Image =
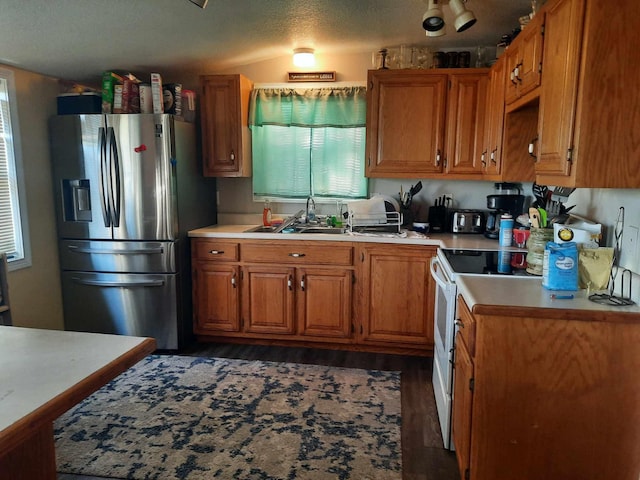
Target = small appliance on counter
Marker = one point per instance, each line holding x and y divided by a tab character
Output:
508	199
467	221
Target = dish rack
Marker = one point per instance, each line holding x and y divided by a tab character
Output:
374	223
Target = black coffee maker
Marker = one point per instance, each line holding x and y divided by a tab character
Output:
507	200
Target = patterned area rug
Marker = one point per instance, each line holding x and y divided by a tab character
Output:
174	417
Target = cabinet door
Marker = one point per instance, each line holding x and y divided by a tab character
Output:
397	301
529	71
512	61
563	33
492	152
215	298
324	302
224	118
462	404
405	123
269	296
466	113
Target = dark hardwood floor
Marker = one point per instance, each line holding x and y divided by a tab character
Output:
423	457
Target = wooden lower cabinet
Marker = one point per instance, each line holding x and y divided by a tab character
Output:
269	299
314	293
396	295
555	395
325	304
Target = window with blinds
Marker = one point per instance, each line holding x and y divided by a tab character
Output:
11	239
308	142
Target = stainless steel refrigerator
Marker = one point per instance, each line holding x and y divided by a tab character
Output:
127	190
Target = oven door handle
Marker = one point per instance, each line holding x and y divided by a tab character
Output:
445	283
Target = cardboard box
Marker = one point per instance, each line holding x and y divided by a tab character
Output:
172	97
189	105
109	81
146	100
130	95
579	230
156	93
117	99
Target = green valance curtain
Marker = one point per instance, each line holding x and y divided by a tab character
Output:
343	107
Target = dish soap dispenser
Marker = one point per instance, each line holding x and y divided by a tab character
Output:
266	214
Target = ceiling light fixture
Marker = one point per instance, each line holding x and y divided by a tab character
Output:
201	3
433	18
304	57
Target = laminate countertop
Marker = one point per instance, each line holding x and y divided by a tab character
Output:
442	240
513	295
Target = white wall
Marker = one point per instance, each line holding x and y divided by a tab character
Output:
35	292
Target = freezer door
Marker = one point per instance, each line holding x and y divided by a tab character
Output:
78	155
140	148
127	304
115	256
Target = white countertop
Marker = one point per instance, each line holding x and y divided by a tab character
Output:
526	291
36	366
444	240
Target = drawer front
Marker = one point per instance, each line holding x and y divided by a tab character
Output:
298	253
216	250
466	326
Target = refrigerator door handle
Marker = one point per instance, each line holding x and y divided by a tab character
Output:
104	186
104	283
110	251
114	177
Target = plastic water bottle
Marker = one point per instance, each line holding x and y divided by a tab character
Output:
506	230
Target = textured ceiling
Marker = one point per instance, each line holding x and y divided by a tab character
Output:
78	39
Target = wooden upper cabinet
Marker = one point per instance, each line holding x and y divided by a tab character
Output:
588	124
226	139
491	156
563	35
425	123
524	60
466	113
405	123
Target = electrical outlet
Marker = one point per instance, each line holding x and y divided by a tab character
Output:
629	249
448	199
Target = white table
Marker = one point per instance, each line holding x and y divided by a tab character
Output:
43	373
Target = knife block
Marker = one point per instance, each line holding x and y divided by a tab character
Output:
438	219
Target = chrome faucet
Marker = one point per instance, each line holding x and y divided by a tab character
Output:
311	209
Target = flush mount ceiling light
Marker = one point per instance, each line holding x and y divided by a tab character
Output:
304	57
433	18
201	3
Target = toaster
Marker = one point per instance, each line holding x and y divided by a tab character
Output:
467	221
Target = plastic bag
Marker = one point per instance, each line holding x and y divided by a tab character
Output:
560	266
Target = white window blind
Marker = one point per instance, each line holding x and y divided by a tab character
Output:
11	237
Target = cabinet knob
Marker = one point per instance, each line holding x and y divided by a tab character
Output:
493	155
438	156
302	283
290	283
233	281
296	255
459	324
233	155
216	252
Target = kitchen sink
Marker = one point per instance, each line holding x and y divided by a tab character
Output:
261	229
299	228
319	229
